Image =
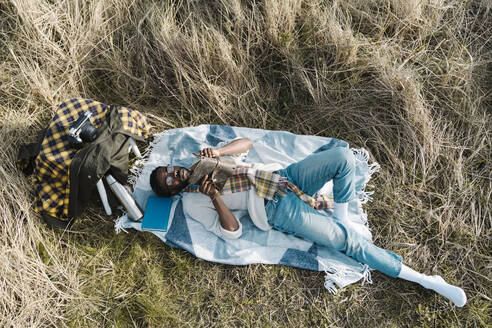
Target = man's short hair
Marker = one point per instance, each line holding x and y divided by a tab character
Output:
158	182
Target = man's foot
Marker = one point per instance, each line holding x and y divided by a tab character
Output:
440	286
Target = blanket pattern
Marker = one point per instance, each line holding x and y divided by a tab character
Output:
176	146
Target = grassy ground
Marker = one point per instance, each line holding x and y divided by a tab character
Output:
408	80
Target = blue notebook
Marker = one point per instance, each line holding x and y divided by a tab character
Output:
156	215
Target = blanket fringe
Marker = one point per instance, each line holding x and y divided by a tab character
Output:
139	164
373	168
330	275
330	286
362	155
363	218
334	275
364	196
118	224
366	275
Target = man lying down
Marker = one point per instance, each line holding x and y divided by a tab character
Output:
280	200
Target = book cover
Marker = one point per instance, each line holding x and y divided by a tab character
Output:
156	215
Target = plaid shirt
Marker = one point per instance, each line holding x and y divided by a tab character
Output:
52	184
266	185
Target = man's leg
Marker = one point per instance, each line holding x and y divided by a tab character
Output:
311	173
436	283
292	215
390	264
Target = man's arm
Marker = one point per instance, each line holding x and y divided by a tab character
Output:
235	147
227	220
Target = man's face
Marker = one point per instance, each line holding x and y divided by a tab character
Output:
174	179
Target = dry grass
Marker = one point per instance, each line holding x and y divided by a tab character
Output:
409	80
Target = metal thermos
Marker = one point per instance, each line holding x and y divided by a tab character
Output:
125	198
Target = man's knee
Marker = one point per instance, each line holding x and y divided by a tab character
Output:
345	156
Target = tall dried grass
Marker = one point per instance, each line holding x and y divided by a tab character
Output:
408	80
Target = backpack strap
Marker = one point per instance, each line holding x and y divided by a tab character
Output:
57	223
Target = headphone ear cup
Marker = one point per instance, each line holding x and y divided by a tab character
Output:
88	132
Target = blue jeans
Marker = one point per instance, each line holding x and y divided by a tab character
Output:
292	215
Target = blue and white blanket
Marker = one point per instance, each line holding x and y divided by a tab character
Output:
254	246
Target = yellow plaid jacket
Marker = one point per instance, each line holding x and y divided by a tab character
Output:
51	166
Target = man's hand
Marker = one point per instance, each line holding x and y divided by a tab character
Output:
207	187
210	152
227	220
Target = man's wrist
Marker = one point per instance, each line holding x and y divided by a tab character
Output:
215	196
